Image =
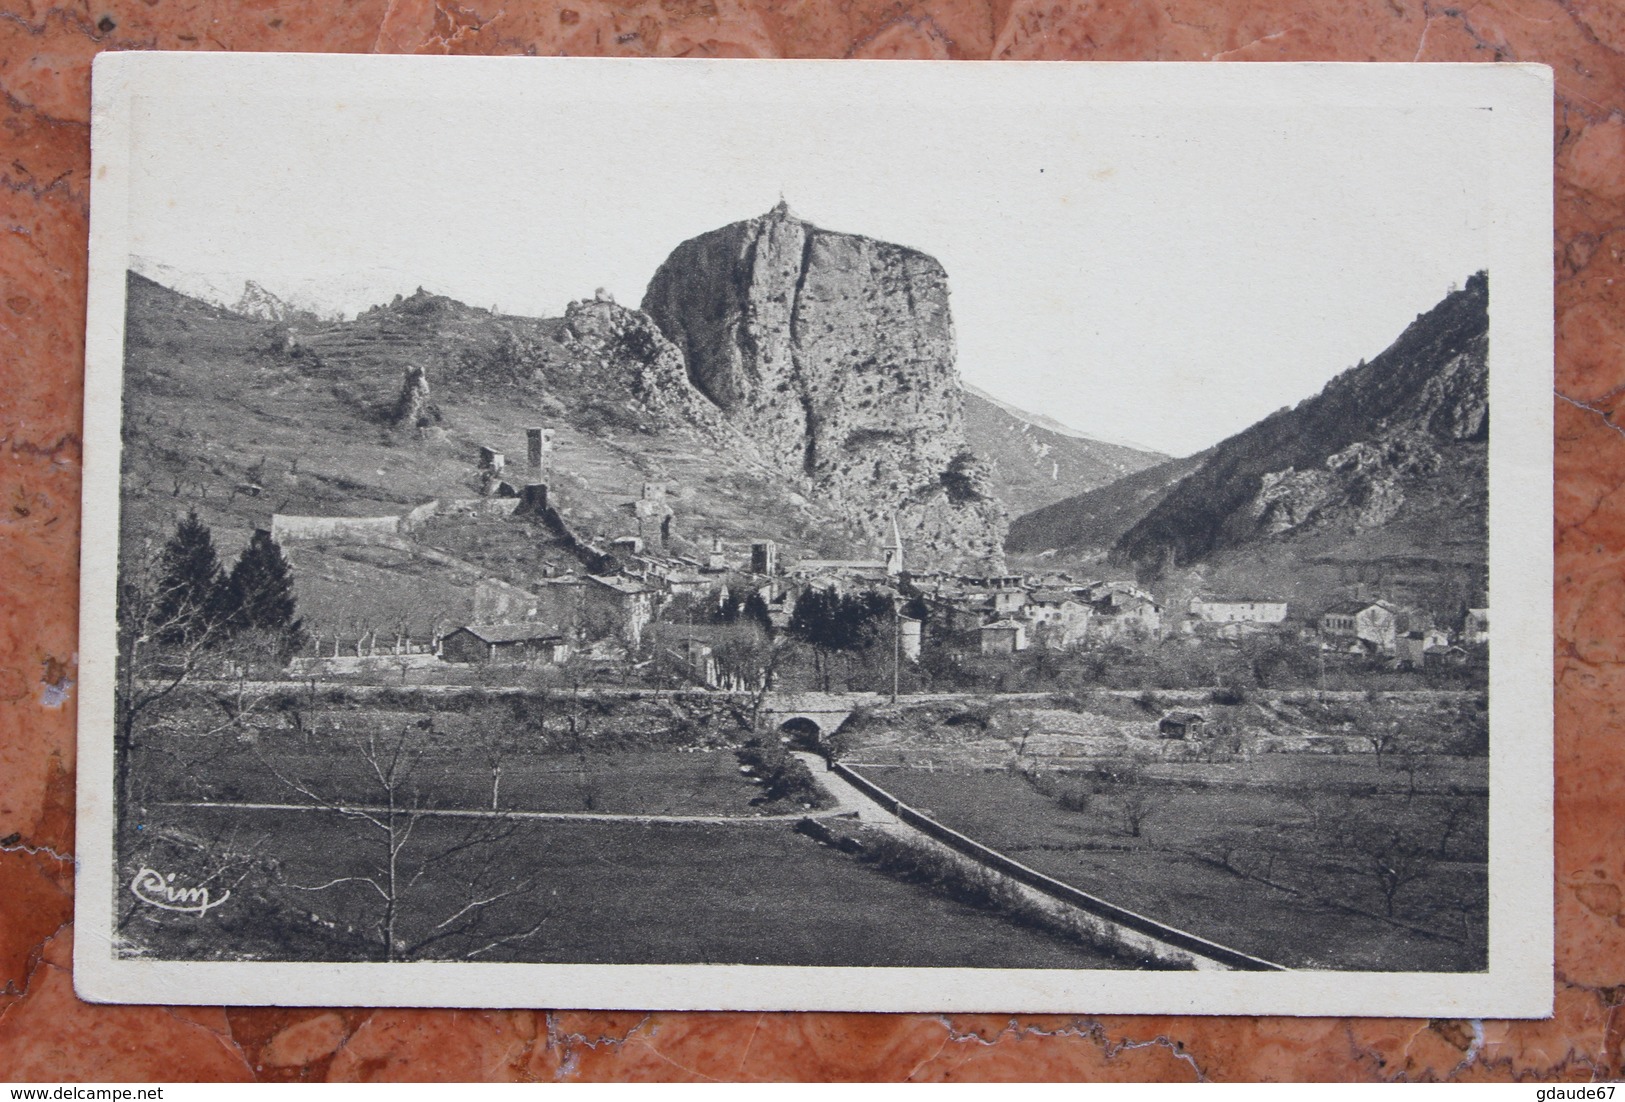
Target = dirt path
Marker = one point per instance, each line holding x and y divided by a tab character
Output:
542	816
848	800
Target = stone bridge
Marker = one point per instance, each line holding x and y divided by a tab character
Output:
812	713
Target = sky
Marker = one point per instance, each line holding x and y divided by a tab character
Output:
1158	257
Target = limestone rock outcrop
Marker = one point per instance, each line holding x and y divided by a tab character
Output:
413	407
834	354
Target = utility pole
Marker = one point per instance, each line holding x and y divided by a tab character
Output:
896	646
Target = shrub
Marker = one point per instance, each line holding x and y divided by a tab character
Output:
977	715
1075	798
783	777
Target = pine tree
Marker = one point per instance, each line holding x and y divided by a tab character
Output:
188	601
755	611
259	592
810	620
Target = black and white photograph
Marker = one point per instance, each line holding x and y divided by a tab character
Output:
872	536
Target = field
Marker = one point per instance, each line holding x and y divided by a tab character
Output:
1334	859
558	751
633	782
1283	866
319	884
752	893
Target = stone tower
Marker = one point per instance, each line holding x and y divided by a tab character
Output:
539	446
764	557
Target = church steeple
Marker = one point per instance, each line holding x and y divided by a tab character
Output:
894	551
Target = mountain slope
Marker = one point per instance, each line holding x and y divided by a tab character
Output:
1387	460
1088	524
242	414
240	418
1033	461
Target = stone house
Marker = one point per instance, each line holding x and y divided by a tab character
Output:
1410	649
1007	602
1003	637
630	602
1233	610
592	608
908	637
1338	621
1120	614
1056	618
1380	624
956	614
1435	657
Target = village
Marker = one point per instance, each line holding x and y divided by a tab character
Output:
635	609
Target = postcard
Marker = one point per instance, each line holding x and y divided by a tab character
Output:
818	535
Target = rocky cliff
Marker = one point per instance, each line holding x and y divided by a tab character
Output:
834	353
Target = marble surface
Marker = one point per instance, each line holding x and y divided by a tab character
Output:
45	1033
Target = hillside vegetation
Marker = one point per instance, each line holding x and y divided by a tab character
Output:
1030	464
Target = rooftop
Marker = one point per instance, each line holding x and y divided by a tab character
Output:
512	633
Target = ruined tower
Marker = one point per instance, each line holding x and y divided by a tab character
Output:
764	557
539	447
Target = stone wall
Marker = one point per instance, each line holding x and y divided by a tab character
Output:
287	529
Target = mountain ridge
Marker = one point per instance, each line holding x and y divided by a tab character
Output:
1377	483
1374	423
1031	465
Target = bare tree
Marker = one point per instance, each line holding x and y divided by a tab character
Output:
163	648
1383	737
1455	814
1135	804
437	877
1136	800
1390	859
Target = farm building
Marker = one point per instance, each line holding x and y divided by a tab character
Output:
1444	656
1180	725
504	643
